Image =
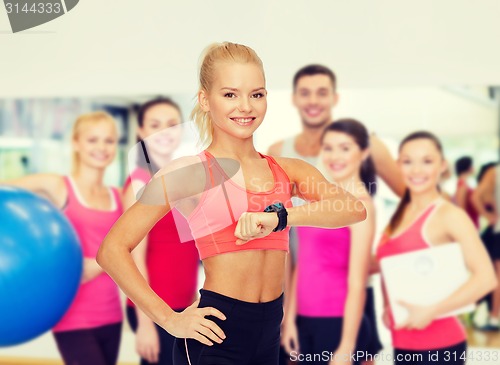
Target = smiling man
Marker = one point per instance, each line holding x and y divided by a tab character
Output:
315	95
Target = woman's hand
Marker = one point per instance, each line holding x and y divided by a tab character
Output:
419	316
342	356
386	318
147	342
91	270
191	323
290	337
255	225
492	218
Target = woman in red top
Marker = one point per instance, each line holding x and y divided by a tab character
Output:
169	263
424	219
241	233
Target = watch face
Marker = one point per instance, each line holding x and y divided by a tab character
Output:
276	207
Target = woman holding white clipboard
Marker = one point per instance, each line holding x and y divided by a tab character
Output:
424	220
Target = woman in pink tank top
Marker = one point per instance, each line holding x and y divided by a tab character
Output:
424	219
90	330
169	262
325	314
237	203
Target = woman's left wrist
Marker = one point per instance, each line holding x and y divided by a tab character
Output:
280	217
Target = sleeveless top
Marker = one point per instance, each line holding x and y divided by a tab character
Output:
439	333
172	263
214	219
97	302
288	150
322	271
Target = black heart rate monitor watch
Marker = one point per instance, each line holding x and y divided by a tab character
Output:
280	209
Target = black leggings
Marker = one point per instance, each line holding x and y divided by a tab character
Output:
453	355
96	346
374	345
319	337
252	334
166	339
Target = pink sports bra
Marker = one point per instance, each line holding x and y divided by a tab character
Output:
214	219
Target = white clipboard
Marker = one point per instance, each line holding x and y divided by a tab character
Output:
424	277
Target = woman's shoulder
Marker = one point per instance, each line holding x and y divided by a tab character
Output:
52	186
296	169
51	178
184	163
369	205
181	178
51	183
449	213
366	199
292	164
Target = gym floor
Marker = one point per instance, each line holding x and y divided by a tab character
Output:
482	339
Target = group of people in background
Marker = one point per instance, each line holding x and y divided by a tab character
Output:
328	301
476	202
90	331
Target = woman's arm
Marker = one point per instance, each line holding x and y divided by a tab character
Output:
291	311
91	270
147	340
53	188
290	338
482	275
49	186
461	196
362	235
486	188
329	205
386	166
482	278
139	253
374	265
115	258
386	312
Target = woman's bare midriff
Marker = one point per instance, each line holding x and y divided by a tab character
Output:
255	276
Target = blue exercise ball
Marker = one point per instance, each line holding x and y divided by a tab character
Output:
40	265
